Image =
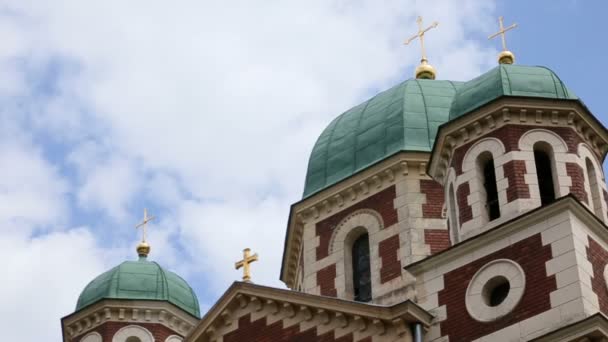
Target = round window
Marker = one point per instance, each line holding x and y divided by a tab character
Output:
495	290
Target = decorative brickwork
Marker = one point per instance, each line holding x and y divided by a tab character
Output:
259	331
578	181
382	202
465	212
108	330
510	135
438	239
514	172
531	255
391	266
326	281
598	257
434	198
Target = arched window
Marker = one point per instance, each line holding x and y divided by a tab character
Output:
486	163
362	278
544	172
453	218
596	203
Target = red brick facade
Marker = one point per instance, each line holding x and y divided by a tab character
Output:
514	172
381	202
465	212
259	331
438	239
108	330
326	280
577	176
598	257
510	135
434	198
391	266
531	255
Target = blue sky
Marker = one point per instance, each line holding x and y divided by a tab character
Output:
206	114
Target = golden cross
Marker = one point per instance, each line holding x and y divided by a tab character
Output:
420	35
502	32
144	223
247	260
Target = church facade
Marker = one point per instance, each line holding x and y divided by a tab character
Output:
434	211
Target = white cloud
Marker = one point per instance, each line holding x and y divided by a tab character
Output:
42	279
207	110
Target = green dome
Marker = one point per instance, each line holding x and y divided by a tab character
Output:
142	280
407	116
508	80
403	118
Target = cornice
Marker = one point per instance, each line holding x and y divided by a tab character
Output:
595	326
514	111
290	303
131	311
342	195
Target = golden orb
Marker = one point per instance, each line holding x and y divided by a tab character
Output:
425	71
506	57
143	249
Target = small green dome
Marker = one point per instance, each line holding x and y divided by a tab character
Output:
508	80
142	280
403	118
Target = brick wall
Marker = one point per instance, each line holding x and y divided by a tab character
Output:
598	257
465	212
259	331
578	181
434	198
514	172
510	135
438	239
326	281
382	202
531	255
108	330
391	266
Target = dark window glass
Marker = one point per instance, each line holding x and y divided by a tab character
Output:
362	278
545	177
491	190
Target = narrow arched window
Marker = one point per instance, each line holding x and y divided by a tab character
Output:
544	172
362	279
488	171
453	218
596	203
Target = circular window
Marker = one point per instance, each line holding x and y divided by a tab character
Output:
495	290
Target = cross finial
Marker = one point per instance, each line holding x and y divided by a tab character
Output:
505	56
424	70
245	264
143	249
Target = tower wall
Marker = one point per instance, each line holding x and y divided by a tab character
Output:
511	140
398	206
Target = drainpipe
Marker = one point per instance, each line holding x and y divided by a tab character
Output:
417	332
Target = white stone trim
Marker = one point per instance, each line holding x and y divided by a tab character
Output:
475	303
584	152
133	331
561	180
472	175
92	337
340	249
174	338
531	137
453	212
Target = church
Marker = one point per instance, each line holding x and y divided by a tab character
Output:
434	211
